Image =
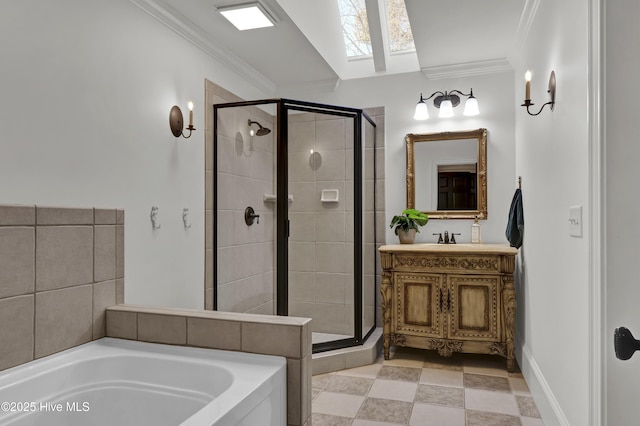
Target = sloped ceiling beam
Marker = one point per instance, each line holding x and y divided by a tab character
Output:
375	32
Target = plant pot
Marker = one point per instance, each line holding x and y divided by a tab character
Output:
407	237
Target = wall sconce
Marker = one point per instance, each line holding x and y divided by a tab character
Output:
551	91
446	101
177	122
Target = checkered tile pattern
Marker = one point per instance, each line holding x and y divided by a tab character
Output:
420	388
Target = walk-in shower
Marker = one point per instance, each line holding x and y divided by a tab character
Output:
294	215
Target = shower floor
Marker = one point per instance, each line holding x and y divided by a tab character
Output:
327	337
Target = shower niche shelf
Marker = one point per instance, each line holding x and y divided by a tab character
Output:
272	198
329	196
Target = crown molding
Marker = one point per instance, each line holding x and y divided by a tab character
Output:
182	26
467	69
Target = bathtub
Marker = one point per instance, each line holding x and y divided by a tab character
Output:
122	382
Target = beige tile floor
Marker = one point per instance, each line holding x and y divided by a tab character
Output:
420	388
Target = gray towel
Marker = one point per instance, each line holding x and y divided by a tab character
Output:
515	225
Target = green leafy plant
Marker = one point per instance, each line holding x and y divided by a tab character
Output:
409	219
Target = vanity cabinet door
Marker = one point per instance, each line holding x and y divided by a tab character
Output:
417	304
473	304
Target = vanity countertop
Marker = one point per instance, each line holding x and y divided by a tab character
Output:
450	248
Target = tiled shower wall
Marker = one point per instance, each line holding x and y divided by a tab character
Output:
60	268
245	174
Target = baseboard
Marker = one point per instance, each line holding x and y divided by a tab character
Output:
546	402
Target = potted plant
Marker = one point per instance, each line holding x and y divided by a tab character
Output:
407	224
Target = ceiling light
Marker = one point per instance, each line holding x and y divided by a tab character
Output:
247	16
446	101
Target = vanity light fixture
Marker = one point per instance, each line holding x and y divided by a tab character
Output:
247	16
551	91
176	122
446	101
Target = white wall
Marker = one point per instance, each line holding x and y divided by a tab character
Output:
552	156
399	95
86	87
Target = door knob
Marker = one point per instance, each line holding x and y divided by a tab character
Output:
624	343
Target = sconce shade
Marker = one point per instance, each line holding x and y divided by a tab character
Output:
471	107
446	109
422	113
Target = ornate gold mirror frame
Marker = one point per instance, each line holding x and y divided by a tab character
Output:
481	135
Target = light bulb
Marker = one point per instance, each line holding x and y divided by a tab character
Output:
190	106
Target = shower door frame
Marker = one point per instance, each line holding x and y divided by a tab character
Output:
282	209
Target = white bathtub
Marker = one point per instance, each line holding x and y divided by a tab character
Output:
121	382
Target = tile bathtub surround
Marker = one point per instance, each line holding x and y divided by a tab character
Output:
289	337
59	270
421	388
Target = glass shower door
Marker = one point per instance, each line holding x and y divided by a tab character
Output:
244	206
321	217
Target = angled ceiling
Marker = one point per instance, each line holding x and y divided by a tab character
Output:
305	48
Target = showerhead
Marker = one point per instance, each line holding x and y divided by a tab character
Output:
261	131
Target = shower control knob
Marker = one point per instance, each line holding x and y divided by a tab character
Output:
250	215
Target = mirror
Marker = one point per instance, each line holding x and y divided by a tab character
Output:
447	174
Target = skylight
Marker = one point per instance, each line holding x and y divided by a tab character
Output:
398	27
355	27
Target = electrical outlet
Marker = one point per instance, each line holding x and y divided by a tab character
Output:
575	221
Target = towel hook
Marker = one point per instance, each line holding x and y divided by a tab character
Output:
519	182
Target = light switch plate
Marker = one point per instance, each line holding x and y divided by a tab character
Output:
575	221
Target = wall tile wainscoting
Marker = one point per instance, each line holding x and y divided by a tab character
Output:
59	270
62	285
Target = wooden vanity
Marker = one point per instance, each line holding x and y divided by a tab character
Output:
449	298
